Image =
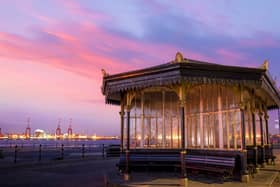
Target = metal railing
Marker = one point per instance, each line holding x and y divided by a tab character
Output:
43	152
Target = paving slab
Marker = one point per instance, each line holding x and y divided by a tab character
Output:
138	179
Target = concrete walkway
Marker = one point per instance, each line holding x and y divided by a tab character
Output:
262	179
63	173
90	173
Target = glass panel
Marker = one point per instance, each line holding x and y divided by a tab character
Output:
211	113
249	128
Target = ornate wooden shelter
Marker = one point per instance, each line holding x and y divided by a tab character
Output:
194	115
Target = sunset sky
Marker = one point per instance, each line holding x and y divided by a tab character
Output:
52	51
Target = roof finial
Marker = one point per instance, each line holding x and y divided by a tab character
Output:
179	57
104	73
265	65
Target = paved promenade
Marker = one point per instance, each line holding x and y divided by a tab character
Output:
267	177
62	173
90	172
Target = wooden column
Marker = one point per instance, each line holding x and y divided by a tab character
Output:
142	121
163	120
244	171
128	128
182	98
128	140
243	126
220	120
255	139
201	119
182	117
129	98
266	117
122	126
262	140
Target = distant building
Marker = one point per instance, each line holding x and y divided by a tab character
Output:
192	109
39	133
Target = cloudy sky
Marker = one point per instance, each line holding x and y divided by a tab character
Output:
51	52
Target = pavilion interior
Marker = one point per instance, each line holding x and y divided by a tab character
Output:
212	118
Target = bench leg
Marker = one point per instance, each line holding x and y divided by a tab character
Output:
184	182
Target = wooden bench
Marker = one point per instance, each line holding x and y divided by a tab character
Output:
149	161
113	150
213	164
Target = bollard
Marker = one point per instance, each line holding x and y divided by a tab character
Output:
103	151
40	152
16	150
62	151
83	151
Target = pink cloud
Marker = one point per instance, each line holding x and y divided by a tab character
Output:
84	48
230	57
260	43
76	8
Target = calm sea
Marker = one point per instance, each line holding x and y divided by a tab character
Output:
56	143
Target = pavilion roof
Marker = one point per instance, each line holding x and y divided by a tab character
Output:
192	71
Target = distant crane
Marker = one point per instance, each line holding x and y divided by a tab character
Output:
58	130
70	130
28	130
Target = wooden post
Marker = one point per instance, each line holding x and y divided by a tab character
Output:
244	171
142	121
243	126
262	141
182	97
156	130
201	119
182	115
128	128
163	120
266	117
220	119
122	122
183	151
255	139
128	143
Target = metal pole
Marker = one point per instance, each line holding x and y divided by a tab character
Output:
103	151
16	151
40	152
62	151
83	151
